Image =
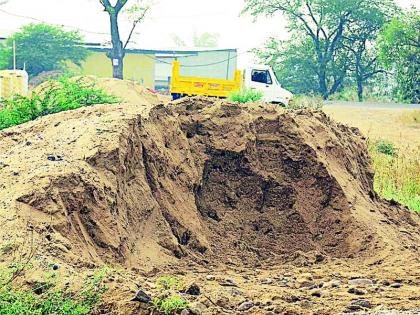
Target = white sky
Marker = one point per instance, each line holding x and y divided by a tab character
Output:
182	17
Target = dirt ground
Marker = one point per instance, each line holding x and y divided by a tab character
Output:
266	211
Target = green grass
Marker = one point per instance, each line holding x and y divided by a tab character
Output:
56	96
246	96
47	298
169	302
397	173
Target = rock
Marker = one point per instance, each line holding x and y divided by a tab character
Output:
332	284
141	297
197	308
223	301
245	306
316	293
236	292
267	281
228	283
396	285
359	305
185	312
361	282
55	266
356	291
304	283
210	278
194	289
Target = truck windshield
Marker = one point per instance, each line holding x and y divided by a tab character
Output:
261	76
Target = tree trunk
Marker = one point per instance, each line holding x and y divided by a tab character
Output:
323	89
117	52
360	89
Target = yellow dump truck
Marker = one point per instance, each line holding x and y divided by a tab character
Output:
256	77
13	82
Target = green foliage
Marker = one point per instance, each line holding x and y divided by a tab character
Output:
399	51
170	302
326	37
246	96
43	47
385	147
397	176
51	301
173	304
56	96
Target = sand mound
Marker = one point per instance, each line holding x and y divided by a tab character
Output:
196	181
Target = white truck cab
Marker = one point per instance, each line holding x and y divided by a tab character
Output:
263	79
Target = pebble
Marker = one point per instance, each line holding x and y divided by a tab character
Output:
210	278
141	297
396	285
359	305
245	306
360	282
356	291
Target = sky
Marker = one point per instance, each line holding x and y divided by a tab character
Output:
180	17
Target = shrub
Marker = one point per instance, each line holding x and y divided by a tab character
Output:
385	147
246	96
56	96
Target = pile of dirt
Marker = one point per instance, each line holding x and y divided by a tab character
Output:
197	181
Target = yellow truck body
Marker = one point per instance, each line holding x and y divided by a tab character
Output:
13	82
188	86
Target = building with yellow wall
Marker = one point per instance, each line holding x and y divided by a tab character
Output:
139	66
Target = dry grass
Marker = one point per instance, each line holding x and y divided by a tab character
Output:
397	176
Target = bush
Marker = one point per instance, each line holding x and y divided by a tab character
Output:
56	96
246	96
385	147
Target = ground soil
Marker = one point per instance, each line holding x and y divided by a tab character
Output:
252	203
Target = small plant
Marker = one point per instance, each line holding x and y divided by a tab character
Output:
170	301
56	96
48	299
173	304
385	147
246	96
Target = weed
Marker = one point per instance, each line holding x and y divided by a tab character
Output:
246	96
50	300
397	174
385	147
173	304
169	302
57	96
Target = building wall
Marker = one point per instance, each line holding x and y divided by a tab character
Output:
137	67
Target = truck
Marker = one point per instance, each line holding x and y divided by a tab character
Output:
255	77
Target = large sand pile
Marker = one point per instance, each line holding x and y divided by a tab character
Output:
197	182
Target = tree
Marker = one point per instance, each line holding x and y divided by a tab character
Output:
43	47
324	23
137	13
294	62
360	38
399	51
